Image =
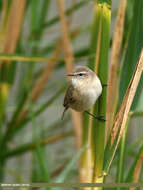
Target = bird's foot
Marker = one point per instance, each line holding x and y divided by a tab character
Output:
100	118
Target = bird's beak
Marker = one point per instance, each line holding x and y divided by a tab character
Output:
70	75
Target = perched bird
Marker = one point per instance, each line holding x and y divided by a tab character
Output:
83	90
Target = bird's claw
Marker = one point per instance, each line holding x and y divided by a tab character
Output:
101	118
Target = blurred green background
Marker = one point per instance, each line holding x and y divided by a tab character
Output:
35	144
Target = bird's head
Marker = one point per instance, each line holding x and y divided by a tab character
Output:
81	76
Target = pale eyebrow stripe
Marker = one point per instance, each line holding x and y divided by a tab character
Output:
82	72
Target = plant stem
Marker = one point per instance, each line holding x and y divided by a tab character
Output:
122	156
101	66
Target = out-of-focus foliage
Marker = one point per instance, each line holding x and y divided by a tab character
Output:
35	145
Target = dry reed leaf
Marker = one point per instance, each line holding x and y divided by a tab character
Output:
3	23
9	33
137	171
113	82
70	16
77	123
127	101
122	115
58	171
119	117
55	138
43	142
47	72
21	116
13	28
26	59
69	60
14	25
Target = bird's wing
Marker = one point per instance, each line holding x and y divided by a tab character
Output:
69	96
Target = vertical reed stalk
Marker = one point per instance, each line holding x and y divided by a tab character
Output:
69	60
96	130
100	108
87	160
113	79
120	172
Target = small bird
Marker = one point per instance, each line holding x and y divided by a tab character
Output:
83	90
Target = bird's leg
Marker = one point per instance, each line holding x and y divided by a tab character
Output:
100	118
104	85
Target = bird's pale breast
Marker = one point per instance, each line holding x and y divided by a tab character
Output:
86	95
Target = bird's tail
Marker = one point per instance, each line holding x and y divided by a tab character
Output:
64	113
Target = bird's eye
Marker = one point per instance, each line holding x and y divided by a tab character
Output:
80	74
